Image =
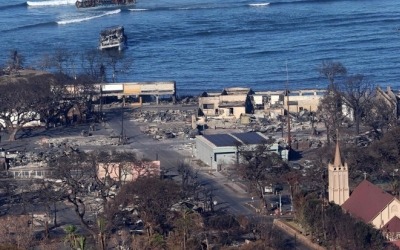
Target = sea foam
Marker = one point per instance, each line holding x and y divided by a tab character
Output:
258	4
78	20
51	3
138	9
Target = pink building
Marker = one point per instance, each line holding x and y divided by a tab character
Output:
127	171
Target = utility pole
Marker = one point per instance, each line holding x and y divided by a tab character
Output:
289	140
122	140
102	74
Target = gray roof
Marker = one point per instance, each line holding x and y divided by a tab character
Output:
250	138
222	140
235	139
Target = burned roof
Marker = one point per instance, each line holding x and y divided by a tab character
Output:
366	201
250	138
111	30
222	140
232	104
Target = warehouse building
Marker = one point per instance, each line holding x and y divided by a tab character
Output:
220	150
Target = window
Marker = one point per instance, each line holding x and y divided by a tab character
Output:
208	106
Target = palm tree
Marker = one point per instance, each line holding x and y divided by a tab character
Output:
71	236
101	223
81	243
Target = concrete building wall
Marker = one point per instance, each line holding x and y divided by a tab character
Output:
309	102
209	105
204	150
112	87
275	99
224	156
213	156
139	88
127	171
258	100
338	177
233	98
234	111
391	210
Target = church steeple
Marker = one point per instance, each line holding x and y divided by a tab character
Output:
338	161
338	176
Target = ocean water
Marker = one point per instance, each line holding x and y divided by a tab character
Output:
213	44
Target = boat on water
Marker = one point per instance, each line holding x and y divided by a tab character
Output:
113	38
95	3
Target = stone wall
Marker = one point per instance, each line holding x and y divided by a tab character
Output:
297	234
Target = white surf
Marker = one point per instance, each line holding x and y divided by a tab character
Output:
51	3
138	9
78	20
258	4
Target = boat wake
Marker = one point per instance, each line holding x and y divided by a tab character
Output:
78	20
258	4
51	3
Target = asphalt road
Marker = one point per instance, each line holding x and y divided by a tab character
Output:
169	152
166	152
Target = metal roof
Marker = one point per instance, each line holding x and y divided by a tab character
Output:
236	139
367	201
393	225
222	140
250	138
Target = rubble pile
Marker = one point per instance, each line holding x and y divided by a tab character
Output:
188	100
167	124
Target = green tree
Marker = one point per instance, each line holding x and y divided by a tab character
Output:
71	237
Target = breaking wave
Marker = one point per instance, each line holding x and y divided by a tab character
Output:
138	9
258	4
78	20
51	3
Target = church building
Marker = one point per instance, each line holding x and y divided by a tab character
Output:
338	177
367	202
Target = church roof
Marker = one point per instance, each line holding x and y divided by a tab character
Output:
396	243
366	201
338	161
393	225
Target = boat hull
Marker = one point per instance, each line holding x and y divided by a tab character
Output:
119	46
113	38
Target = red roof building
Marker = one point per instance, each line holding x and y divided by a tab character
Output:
373	205
367	202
